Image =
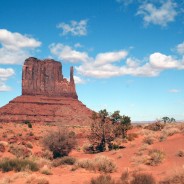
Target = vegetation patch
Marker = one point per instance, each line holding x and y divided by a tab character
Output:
17	165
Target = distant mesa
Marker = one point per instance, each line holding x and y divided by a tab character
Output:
46	96
44	77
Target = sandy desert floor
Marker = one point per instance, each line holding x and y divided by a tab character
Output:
132	158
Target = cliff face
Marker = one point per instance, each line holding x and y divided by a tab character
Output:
46	97
44	77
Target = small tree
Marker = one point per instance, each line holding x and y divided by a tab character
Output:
59	142
102	132
168	120
165	119
123	124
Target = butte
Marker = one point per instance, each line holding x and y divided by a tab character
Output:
47	97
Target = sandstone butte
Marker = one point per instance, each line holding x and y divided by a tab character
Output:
47	97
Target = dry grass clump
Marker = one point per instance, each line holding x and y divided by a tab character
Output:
33	179
150	139
17	165
20	151
102	179
176	178
46	170
180	153
126	178
100	163
157	126
132	136
155	157
143	178
67	160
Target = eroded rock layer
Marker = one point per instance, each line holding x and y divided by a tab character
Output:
44	77
47	97
64	110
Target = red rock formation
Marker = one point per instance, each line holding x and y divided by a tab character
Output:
45	78
46	96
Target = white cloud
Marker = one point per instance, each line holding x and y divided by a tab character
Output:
16	41
15	47
174	91
162	61
78	80
4	75
110	57
180	48
117	63
66	53
74	28
158	15
4	87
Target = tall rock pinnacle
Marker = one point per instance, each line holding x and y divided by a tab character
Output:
44	77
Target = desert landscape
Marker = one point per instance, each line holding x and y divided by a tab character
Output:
91	92
48	136
165	164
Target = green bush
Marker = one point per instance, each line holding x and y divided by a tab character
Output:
17	165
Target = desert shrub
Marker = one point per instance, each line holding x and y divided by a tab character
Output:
46	170
60	142
162	137
29	125
171	131
20	151
177	178
67	160
125	177
88	148
17	165
45	154
33	179
29	145
157	126
149	139
155	157
142	178
101	163
131	136
102	179
180	153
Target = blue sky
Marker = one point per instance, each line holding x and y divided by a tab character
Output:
128	54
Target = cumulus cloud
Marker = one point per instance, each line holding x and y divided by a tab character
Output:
110	57
15	47
4	87
66	53
180	48
78	80
158	15
74	28
4	75
116	63
162	61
